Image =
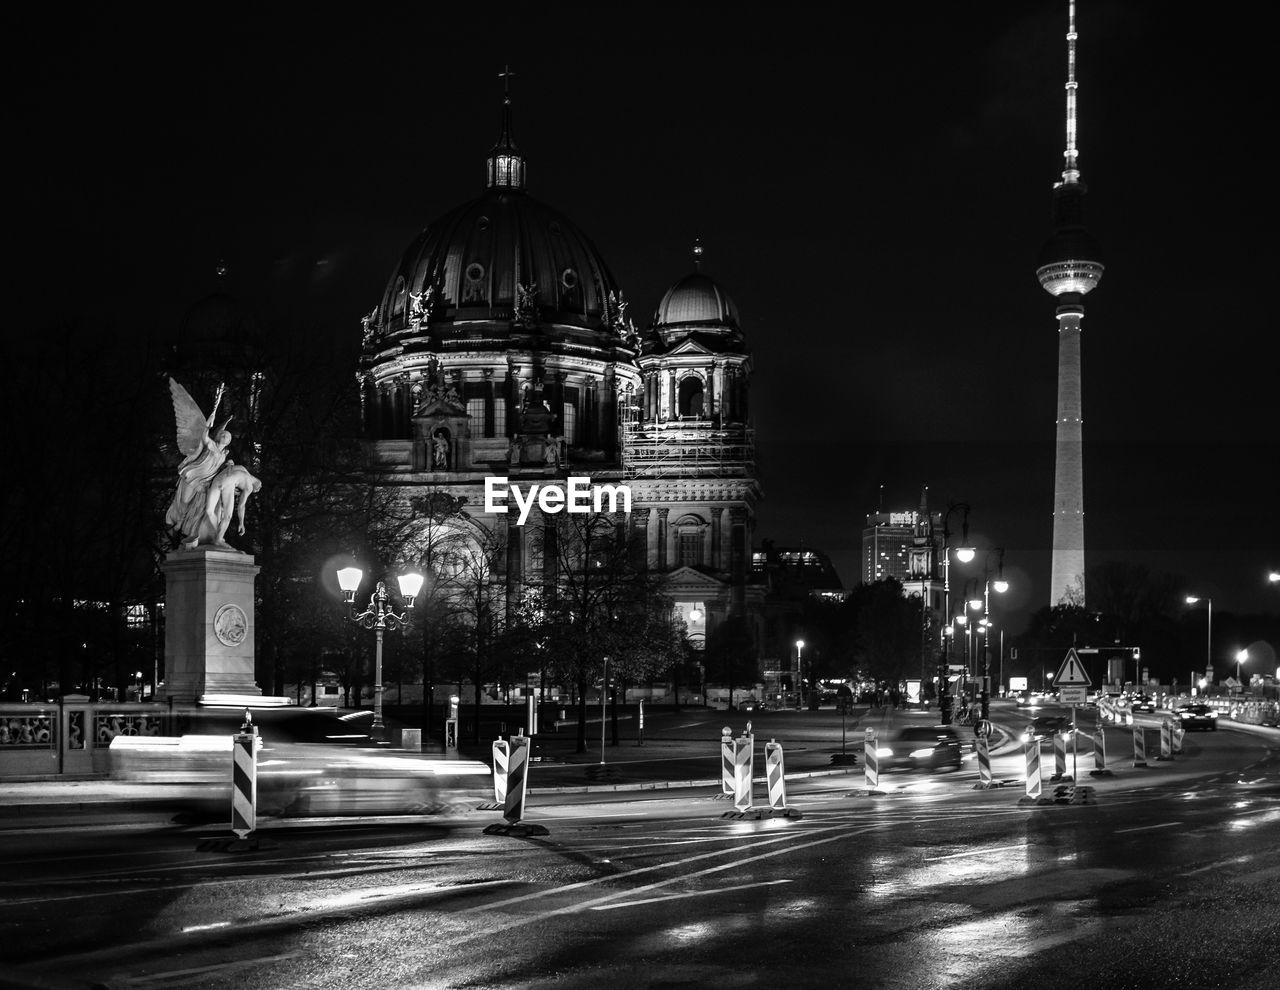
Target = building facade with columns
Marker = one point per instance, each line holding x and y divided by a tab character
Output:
502	347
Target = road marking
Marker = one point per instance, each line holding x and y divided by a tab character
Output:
977	852
691	893
1146	828
789	846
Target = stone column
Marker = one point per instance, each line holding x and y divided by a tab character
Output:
662	538
717	523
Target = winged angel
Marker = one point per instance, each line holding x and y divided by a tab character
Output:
208	482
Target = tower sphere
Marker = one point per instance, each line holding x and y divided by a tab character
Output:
1069	262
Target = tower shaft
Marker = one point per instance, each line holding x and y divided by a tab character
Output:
1067	566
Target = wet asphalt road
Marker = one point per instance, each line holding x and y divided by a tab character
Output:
1170	884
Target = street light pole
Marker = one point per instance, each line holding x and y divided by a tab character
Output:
604	687
1241	657
379	617
964	555
799	674
1208	650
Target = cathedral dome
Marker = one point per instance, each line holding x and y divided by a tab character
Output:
501	257
696	300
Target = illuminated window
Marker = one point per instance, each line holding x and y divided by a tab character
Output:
135	616
499	417
475	409
570	423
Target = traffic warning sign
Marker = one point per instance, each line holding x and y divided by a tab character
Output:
1071	673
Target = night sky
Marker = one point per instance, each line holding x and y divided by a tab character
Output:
871	183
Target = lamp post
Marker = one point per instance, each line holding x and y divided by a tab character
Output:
1241	657
964	554
1001	586
379	617
1208	650
799	674
604	688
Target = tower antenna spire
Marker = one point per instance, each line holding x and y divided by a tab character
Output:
1071	170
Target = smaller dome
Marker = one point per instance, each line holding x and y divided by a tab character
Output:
696	300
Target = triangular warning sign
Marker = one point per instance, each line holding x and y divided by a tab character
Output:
1071	673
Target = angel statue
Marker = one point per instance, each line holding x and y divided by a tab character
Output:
204	448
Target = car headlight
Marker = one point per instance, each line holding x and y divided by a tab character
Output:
884	751
1213	714
919	754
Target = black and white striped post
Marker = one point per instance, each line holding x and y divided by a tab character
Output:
1032	755
517	779
726	761
1100	753
244	779
244	794
1139	746
1060	757
983	732
1166	740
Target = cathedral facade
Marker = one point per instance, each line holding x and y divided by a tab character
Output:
502	348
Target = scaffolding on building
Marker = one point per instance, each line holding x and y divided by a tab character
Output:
692	448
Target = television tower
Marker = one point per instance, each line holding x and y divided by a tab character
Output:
1069	269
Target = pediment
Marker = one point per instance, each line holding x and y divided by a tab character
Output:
690	579
690	346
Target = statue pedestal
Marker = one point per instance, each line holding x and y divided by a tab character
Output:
208	626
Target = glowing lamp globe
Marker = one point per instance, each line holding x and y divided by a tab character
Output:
410	585
349	581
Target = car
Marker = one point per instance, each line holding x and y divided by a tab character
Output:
750	705
1198	717
1142	703
311	762
1046	726
922	747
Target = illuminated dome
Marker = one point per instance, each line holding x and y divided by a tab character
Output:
469	263
696	300
504	259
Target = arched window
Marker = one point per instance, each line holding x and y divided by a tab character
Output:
691	396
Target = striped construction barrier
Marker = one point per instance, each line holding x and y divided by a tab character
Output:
870	761
743	770
1100	753
501	763
1060	757
244	795
517	781
726	761
244	779
1139	746
775	777
1031	752
1177	732
1166	740
984	764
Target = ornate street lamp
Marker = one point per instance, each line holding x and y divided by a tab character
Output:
379	617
